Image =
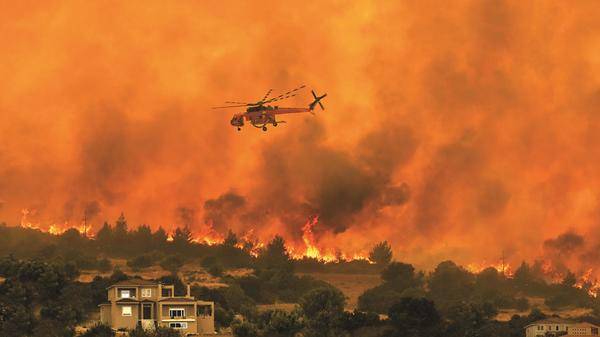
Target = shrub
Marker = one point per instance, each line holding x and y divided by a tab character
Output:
99	330
414	317
223	317
212	266
522	304
357	319
140	262
104	265
278	323
323	309
172	263
378	299
244	329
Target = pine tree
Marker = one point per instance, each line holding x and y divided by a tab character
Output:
381	253
231	240
120	236
182	238
142	238
121	227
104	236
276	256
160	238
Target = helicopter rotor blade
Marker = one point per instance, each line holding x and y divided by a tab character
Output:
266	95
285	95
291	91
229	102
229	106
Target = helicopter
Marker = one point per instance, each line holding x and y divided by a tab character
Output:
260	114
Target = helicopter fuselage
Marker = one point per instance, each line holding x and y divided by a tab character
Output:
260	116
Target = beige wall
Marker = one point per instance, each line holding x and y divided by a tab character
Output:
124	322
189	309
206	324
573	329
190	314
105	314
580	331
153	290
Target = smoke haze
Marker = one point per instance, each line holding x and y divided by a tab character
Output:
454	132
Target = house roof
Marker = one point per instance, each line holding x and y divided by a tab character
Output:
551	320
585	325
177	299
127	300
134	282
558	320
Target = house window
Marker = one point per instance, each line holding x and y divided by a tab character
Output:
204	310
126	311
177	313
125	294
146	292
178	325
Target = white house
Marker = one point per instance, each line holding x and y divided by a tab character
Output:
554	327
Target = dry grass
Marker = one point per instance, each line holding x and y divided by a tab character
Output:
288	307
352	285
190	273
239	272
538	302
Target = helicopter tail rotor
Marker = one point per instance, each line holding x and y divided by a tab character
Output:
317	100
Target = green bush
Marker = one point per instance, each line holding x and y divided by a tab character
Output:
244	329
172	263
99	330
378	299
223	317
216	270
139	262
104	265
522	304
159	332
278	323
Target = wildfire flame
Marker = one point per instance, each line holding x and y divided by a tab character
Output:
501	267
83	228
586	281
309	248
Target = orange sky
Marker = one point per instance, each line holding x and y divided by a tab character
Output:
453	131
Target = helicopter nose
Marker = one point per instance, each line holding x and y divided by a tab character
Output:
236	121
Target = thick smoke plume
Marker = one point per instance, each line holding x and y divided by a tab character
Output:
465	132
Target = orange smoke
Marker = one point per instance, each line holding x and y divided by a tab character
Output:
454	132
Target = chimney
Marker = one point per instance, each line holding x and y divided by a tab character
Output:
159	290
188	291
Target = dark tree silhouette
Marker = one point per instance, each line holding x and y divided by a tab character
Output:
323	309
381	253
415	317
276	256
104	237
